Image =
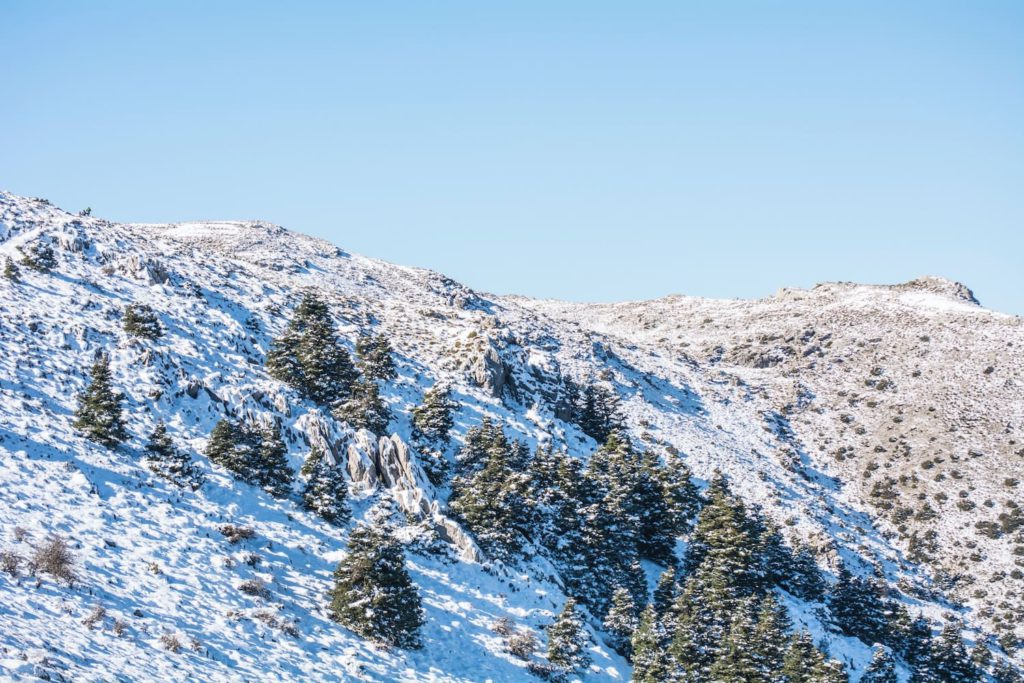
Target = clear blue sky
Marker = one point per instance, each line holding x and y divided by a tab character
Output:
579	150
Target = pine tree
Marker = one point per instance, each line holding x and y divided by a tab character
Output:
665	592
432	419
950	659
270	469
141	321
373	594
680	494
39	257
857	608
882	668
599	415
11	271
309	357
567	640
768	644
650	663
491	503
621	620
365	409
326	491
918	654
375	361
99	415
229	446
735	662
803	576
167	461
804	663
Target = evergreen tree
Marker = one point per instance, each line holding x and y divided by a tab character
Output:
365	409
141	321
270	469
375	361
680	494
309	357
373	594
882	668
567	640
599	414
39	257
950	659
491	503
1004	672
432	419
99	415
804	663
480	441
650	661
803	576
768	644
857	608
665	592
918	653
621	621
326	491
735	662
229	446
11	271
164	459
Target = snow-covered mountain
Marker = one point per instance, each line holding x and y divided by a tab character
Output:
861	418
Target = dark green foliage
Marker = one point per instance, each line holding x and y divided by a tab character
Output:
39	257
568	640
375	361
270	469
99	415
802	576
622	619
950	659
480	441
256	456
680	494
373	594
858	609
491	501
364	408
326	491
804	663
309	357
665	592
768	642
432	419
11	271
735	662
918	651
882	668
167	461
141	321
650	660
598	413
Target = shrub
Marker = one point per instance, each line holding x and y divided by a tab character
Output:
53	556
171	642
10	562
96	616
236	534
255	587
523	644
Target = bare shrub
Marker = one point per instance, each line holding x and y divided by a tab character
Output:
171	642
523	644
119	627
236	534
266	616
10	562
290	628
20	534
53	556
252	559
96	616
255	587
503	626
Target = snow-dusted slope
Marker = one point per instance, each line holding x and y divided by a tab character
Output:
769	411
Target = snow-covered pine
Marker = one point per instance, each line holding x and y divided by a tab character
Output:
809	402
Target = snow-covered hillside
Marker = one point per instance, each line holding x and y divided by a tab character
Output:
805	401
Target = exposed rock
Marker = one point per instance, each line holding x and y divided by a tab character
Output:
489	372
145	269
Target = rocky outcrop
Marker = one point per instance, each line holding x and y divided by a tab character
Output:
489	372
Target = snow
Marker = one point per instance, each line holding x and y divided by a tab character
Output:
143	545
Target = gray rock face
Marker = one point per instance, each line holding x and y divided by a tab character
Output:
490	373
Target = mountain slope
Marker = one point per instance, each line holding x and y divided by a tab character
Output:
743	387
